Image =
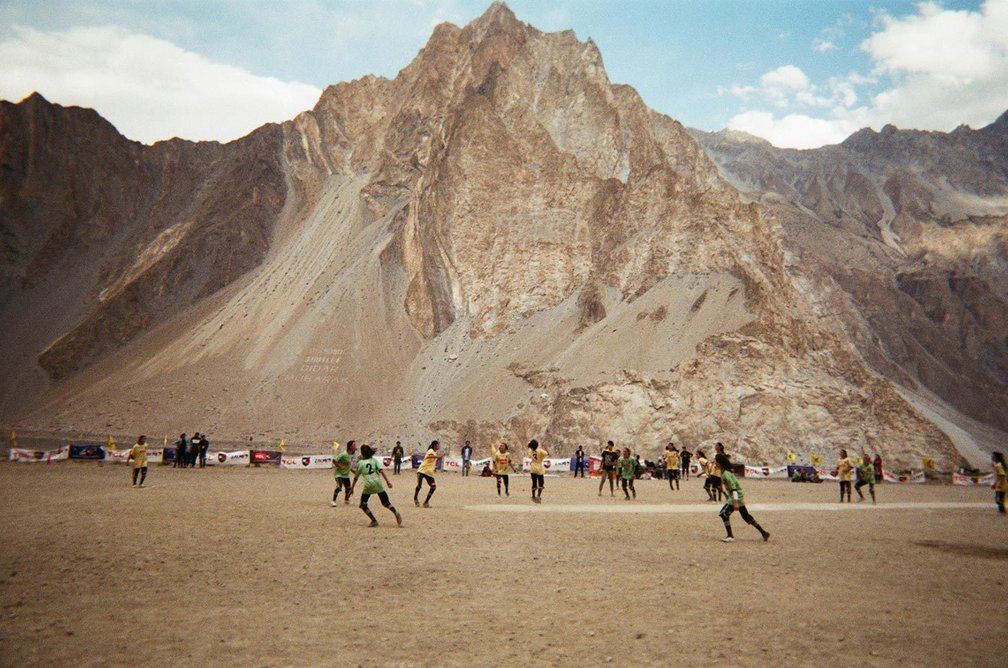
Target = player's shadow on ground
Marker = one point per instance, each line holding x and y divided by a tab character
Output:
963	549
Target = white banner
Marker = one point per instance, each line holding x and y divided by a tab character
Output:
553	464
115	456
306	462
915	477
22	455
236	458
765	471
451	464
960	479
155	455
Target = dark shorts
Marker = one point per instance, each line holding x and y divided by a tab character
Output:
382	496
672	474
423	476
538	479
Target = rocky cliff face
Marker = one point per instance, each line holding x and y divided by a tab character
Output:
498	243
908	231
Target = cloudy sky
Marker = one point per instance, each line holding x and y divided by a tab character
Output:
799	73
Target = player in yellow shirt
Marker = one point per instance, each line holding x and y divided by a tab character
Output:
843	470
537	453
426	473
1000	480
501	464
672	463
138	453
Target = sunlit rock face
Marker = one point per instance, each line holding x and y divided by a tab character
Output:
499	243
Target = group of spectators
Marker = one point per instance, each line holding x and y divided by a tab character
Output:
189	452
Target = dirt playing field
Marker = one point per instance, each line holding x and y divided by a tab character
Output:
252	567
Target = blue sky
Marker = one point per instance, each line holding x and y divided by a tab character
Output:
799	73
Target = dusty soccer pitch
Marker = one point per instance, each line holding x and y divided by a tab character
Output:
252	567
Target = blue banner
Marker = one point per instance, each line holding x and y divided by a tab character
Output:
87	452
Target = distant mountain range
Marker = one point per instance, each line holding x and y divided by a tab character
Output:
501	244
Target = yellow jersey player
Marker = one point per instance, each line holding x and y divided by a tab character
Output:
672	463
537	453
501	465
426	473
138	453
843	470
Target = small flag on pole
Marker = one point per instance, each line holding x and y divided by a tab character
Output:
281	445
110	443
816	459
929	463
792	457
335	446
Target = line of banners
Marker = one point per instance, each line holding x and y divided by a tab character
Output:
592	464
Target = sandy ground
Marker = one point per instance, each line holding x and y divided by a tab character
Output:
252	567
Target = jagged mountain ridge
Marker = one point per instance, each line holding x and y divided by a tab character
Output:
496	243
910	229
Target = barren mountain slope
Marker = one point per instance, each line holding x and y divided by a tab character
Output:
909	230
498	243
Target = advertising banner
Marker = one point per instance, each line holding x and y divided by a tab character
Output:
155	455
962	479
916	477
48	456
115	456
557	464
767	471
306	462
92	452
452	464
236	458
265	457
594	465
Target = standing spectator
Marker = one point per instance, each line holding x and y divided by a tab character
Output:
466	459
842	470
181	446
397	456
684	457
579	462
1000	480
672	465
204	445
194	446
538	453
878	467
138	453
609	457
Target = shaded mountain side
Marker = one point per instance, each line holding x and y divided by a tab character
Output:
498	243
911	228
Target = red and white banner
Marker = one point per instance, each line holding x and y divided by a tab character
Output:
22	455
115	456
305	462
961	479
551	464
765	471
236	458
451	464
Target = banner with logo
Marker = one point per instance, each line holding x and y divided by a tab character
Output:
962	479
115	456
90	451
306	462
915	477
551	464
235	458
265	457
594	465
155	455
767	471
48	456
451	464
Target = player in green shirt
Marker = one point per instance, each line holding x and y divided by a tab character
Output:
626	465
736	499
370	469
865	476
341	471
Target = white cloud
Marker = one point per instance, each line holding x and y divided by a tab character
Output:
792	130
823	45
148	88
934	69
